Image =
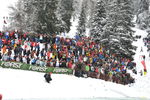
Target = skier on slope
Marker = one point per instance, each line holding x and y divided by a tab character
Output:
47	77
141	49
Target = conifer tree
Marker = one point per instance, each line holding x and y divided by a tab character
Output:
99	20
38	16
47	19
118	35
143	15
18	16
82	21
143	5
65	10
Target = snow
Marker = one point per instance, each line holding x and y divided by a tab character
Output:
73	28
17	84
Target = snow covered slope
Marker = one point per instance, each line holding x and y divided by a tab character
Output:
16	84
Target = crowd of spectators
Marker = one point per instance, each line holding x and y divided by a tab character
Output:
86	57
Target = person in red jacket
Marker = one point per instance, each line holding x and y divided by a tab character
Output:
0	96
70	64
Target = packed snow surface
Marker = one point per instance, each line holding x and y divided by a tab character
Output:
17	84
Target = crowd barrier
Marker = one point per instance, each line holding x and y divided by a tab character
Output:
22	66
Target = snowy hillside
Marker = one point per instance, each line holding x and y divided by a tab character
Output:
24	85
27	85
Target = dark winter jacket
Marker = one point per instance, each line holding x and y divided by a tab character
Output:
47	77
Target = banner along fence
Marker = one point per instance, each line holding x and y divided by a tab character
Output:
22	66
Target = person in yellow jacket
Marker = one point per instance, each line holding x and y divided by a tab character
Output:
15	45
53	56
91	60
